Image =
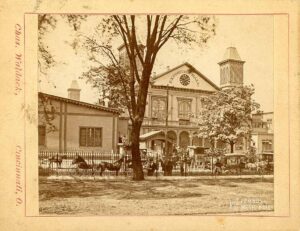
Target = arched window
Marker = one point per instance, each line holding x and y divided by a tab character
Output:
184	139
184	109
159	107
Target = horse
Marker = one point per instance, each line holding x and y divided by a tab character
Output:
82	164
56	159
261	166
251	166
116	166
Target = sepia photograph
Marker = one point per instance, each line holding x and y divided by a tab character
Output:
150	115
155	114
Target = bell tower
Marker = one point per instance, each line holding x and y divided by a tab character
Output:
231	69
124	60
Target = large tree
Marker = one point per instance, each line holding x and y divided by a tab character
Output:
226	115
142	37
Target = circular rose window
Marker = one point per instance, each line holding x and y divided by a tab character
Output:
184	80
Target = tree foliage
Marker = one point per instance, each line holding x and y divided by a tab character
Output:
142	38
226	115
47	114
46	24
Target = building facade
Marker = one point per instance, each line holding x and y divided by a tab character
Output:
68	124
175	98
263	134
174	101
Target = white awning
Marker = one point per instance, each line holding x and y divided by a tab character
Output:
155	135
149	135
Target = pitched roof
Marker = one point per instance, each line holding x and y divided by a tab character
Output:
76	102
191	68
231	53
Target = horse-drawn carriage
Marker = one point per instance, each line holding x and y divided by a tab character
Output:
268	158
234	163
238	163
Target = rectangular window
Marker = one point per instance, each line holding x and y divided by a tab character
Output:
90	137
267	146
42	135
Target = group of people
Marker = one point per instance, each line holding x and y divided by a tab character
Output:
167	165
152	166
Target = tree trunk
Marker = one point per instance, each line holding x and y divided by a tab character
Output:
138	173
231	147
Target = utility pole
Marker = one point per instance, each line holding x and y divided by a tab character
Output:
167	117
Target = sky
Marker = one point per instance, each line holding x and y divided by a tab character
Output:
252	35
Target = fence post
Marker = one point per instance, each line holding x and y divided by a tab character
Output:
157	163
93	164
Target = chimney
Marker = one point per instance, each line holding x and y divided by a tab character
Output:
74	91
106	101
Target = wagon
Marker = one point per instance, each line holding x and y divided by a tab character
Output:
234	162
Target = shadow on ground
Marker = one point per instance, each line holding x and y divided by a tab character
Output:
127	189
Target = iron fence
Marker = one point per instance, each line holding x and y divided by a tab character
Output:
61	163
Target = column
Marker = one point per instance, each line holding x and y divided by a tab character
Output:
196	110
245	144
177	138
149	106
191	137
171	108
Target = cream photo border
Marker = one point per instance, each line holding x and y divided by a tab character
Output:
22	114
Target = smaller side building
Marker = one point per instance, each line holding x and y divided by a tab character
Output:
68	124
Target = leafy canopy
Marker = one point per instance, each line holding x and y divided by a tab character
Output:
226	114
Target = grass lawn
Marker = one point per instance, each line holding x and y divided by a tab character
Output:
154	197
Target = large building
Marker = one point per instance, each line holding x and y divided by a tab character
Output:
175	95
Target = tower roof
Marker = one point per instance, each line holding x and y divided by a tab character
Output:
231	54
74	85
